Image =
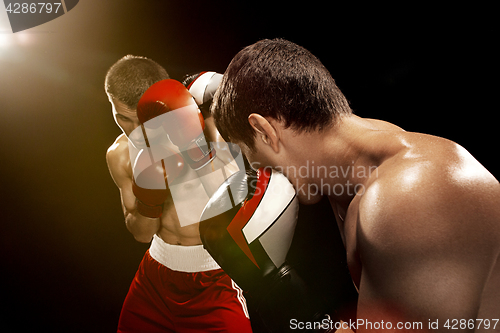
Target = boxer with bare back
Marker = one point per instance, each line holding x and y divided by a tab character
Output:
419	216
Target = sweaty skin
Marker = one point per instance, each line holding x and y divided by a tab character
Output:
193	196
419	216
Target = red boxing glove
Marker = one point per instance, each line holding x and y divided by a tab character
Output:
181	119
150	181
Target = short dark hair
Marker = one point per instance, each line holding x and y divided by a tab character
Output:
130	77
279	79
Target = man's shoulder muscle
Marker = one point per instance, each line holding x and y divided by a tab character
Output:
422	197
117	158
428	235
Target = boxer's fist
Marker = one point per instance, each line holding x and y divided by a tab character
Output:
248	224
150	181
247	227
202	87
169	104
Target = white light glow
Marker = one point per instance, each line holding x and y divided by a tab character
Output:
4	20
5	40
22	38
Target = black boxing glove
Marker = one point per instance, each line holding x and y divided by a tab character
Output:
247	227
202	87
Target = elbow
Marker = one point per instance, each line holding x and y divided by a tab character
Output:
141	235
143	238
142	232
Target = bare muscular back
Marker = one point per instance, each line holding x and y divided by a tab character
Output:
423	239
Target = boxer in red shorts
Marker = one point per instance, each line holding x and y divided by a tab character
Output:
178	286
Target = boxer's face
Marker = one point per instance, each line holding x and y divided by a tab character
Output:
258	158
124	117
262	156
255	157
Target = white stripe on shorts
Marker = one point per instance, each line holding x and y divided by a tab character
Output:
241	298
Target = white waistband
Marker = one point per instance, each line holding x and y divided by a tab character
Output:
189	259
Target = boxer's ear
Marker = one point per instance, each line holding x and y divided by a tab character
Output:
265	131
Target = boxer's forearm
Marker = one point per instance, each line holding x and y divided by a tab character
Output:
141	227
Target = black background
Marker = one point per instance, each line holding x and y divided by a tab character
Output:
66	257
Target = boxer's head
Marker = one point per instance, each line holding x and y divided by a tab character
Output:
275	83
125	83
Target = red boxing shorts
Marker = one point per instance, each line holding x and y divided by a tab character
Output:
182	289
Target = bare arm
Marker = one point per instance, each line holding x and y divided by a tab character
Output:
425	252
117	157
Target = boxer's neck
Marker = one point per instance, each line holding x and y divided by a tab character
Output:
339	160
